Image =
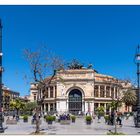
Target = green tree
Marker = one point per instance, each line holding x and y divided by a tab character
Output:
100	111
129	98
114	105
30	106
17	105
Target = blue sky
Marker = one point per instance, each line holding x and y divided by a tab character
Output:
106	36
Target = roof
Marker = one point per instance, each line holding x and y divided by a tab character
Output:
8	90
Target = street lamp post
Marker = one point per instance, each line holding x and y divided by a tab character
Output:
137	61
1	70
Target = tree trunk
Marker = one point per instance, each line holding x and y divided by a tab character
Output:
37	119
17	112
128	109
115	117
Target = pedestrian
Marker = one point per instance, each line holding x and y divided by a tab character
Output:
99	117
112	118
13	116
68	117
119	119
17	118
34	118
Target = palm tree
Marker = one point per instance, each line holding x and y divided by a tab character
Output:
129	98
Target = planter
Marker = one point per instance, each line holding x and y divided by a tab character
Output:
25	120
49	119
65	122
73	120
88	122
49	122
11	122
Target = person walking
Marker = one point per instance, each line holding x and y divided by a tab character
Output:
119	119
112	118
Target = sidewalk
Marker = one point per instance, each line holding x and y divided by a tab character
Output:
79	128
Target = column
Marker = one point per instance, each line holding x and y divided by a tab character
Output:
83	106
48	92
66	106
53	91
57	106
41	93
48	107
99	91
53	106
105	107
93	108
44	107
98	104
86	107
105	90
110	92
114	92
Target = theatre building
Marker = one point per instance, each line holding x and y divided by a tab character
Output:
79	90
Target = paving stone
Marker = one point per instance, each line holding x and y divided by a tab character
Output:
77	128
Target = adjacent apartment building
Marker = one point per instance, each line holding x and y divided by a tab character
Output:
8	95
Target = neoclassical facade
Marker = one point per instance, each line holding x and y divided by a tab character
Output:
79	90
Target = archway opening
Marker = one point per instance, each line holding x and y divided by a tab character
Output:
75	101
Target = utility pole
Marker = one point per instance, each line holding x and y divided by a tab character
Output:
1	70
137	61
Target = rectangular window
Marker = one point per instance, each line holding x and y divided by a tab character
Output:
112	92
55	91
102	91
46	107
34	97
54	106
95	91
46	93
115	92
51	107
51	92
107	91
95	106
102	104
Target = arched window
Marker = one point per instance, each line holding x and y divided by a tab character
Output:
75	101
